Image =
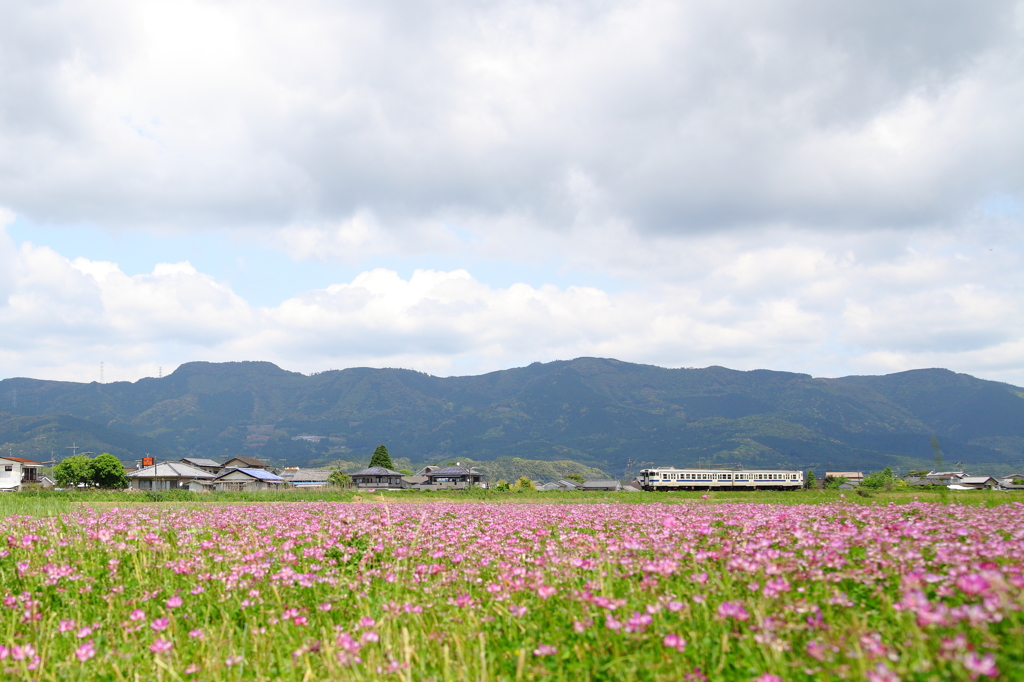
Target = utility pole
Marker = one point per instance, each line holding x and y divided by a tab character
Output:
73	448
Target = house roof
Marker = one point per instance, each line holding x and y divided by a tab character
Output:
977	479
378	471
415	480
601	484
261	474
251	461
845	474
454	470
170	470
21	460
300	475
199	462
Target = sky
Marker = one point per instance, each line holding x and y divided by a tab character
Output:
458	187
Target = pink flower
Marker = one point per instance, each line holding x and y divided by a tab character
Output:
611	623
326	606
676	606
582	625
638	622
4	652
174	602
733	609
517	611
545	591
669	522
370	636
367	622
674	642
86	651
545	650
22	652
768	677
66	626
882	673
193	668
463	600
161	646
196	634
160	624
232	660
972	583
984	665
137	614
301	621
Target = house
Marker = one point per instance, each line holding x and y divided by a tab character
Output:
16	472
978	483
561	484
307	478
244	463
378	477
854	478
614	486
944	478
207	465
166	476
246	479
454	477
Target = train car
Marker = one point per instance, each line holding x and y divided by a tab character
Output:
670	478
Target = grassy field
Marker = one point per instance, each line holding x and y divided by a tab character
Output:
530	586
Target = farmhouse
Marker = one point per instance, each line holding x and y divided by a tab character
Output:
166	476
17	471
378	477
306	478
207	465
247	479
614	486
244	463
854	478
452	477
561	484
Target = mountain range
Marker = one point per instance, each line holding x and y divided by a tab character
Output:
606	414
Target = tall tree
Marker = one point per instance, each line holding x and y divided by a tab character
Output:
381	458
108	472
73	471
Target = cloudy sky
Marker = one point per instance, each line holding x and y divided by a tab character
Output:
456	187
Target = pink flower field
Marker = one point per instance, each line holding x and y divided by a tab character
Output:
446	591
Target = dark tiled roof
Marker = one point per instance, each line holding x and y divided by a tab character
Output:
377	471
308	475
251	461
200	462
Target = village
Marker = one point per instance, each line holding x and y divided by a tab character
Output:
249	474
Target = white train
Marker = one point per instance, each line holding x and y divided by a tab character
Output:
670	478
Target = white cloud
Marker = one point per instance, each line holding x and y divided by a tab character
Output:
798	306
667	116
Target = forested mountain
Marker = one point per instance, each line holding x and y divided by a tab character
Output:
600	412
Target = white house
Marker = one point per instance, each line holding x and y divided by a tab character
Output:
166	476
15	471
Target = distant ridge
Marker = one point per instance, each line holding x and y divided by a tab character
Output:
603	413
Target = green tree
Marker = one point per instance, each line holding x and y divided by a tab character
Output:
524	484
108	472
879	479
576	478
381	458
502	485
73	472
810	480
340	479
405	472
833	482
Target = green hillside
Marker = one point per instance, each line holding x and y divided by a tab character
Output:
609	415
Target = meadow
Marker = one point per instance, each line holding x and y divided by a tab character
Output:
612	587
